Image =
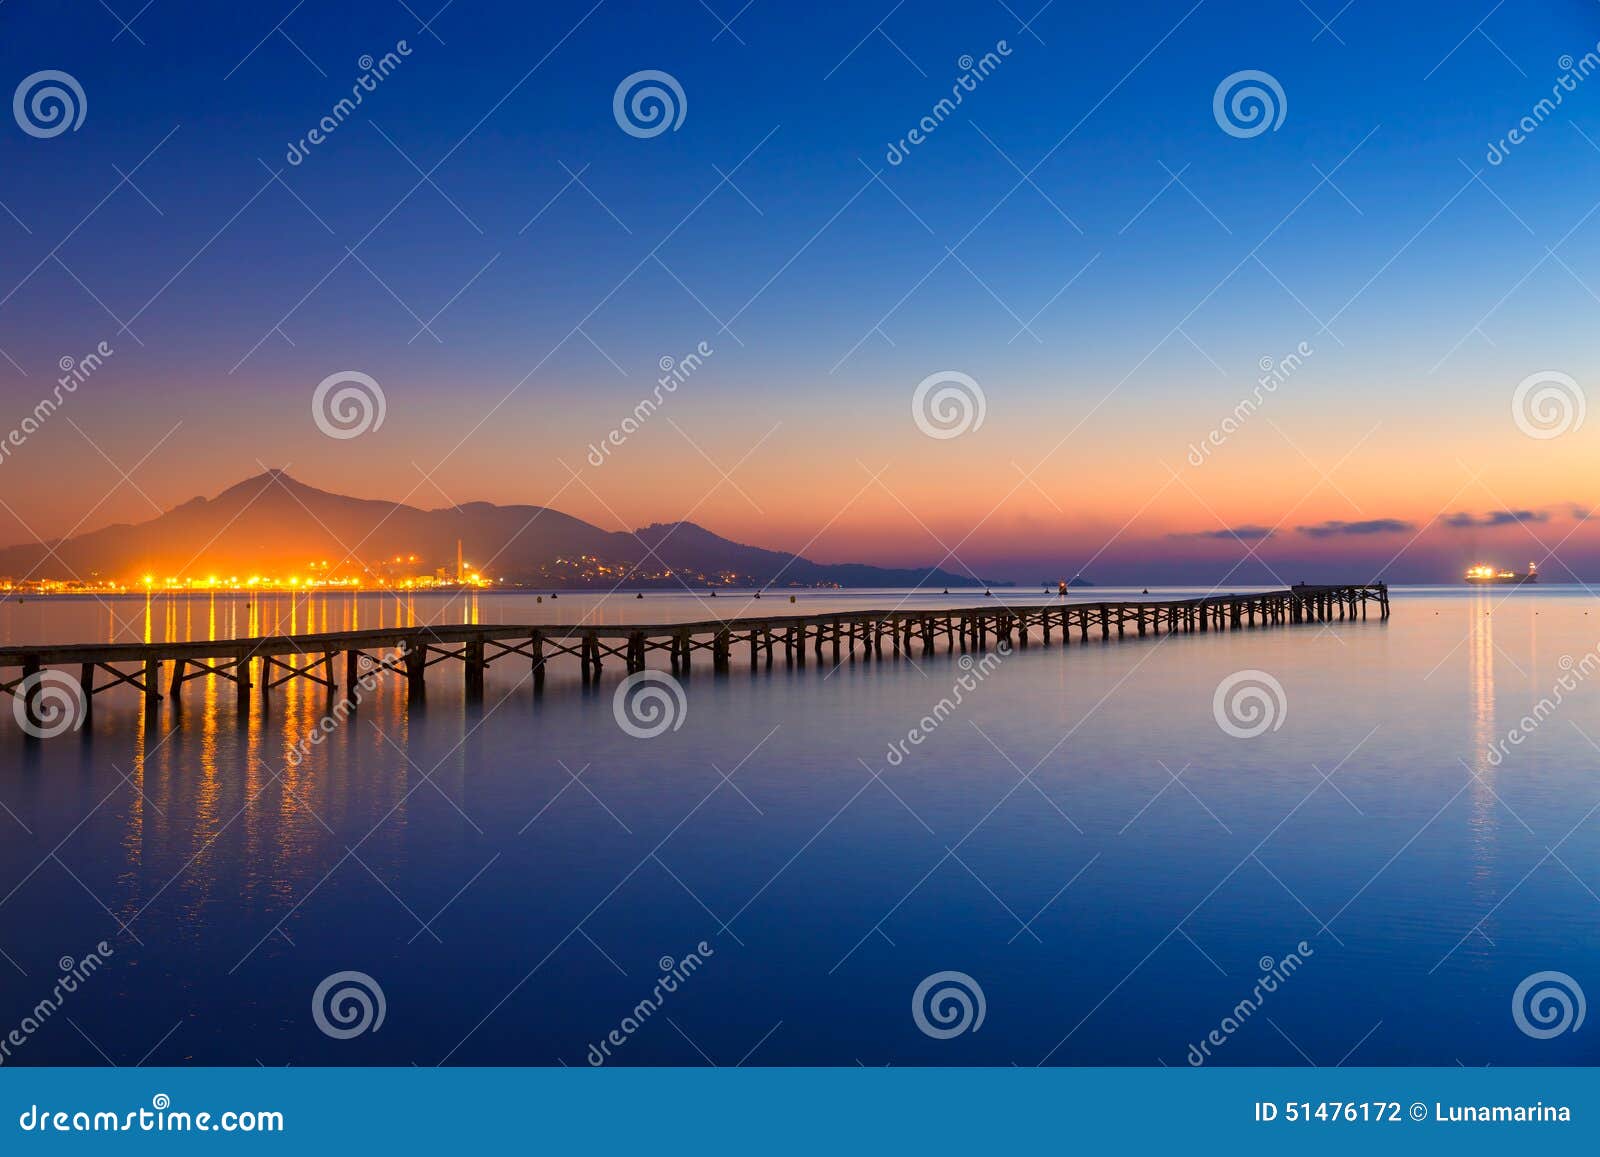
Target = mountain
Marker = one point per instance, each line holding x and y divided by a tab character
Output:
276	526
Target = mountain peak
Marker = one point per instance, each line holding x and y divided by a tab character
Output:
271	523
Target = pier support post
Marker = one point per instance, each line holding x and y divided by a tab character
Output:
416	671
86	681
241	682
30	698
472	654
352	676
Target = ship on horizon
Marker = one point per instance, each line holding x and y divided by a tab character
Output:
1481	574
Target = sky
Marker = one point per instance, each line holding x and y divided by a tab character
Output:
1086	251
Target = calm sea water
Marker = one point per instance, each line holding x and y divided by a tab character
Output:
1079	836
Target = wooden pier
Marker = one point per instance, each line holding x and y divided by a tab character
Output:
262	664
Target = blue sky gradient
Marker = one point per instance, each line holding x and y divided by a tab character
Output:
1097	298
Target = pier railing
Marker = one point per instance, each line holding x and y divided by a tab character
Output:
264	663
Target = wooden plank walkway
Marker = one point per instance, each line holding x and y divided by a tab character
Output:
834	636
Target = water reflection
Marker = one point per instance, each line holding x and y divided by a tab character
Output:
1486	809
251	863
1480	679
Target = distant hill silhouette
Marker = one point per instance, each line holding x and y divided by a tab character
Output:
274	524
